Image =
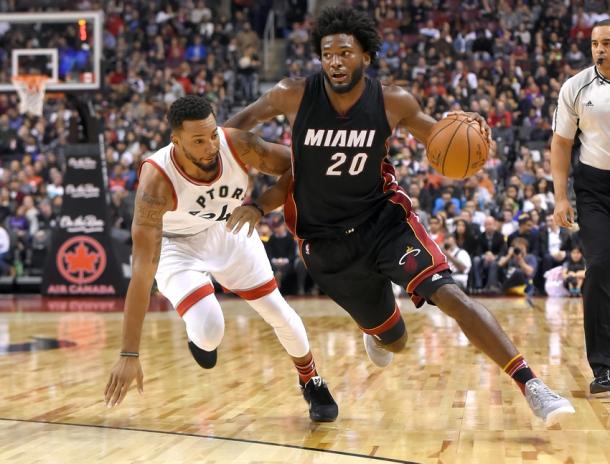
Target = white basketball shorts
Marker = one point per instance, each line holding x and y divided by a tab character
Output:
239	263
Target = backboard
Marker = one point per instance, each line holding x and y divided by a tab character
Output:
64	46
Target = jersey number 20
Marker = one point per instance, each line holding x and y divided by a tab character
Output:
355	168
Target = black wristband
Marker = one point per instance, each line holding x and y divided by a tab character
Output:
257	207
130	354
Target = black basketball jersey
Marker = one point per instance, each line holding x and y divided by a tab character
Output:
341	174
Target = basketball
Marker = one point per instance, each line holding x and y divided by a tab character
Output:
456	148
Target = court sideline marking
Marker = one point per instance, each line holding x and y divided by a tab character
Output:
212	437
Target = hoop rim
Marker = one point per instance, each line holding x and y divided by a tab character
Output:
38	81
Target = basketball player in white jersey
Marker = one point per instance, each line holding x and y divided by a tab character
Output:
583	109
185	195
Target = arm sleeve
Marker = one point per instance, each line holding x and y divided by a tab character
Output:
565	119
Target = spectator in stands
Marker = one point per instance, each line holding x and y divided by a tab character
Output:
247	74
527	231
437	230
464	236
247	38
518	268
491	246
444	200
459	261
574	272
509	225
5	252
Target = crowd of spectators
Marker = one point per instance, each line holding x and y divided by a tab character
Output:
153	53
503	59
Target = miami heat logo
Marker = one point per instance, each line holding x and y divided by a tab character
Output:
408	259
81	260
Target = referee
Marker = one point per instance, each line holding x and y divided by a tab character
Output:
584	107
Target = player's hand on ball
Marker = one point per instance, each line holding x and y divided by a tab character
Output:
121	376
485	129
243	215
564	213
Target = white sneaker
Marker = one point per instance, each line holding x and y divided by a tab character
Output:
545	403
377	355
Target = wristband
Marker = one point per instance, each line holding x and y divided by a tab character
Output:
130	354
257	207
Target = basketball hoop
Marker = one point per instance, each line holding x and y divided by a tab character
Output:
30	89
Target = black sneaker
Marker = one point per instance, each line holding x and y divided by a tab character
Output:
322	406
601	383
206	359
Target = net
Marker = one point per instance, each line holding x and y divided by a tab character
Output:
31	89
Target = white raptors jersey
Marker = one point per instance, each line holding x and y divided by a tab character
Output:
199	204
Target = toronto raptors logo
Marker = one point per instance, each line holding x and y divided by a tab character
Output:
81	260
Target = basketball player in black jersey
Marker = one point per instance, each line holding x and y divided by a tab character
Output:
356	230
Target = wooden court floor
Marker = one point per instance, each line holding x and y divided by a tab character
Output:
439	402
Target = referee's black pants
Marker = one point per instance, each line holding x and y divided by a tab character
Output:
592	187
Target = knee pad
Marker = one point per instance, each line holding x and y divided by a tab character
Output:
205	325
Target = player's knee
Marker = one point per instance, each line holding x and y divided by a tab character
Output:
398	345
286	323
205	325
394	339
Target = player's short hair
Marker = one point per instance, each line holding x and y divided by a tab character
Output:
603	22
188	108
346	20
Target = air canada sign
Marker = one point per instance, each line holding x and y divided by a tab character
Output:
83	260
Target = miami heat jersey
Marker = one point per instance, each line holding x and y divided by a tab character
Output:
339	161
201	204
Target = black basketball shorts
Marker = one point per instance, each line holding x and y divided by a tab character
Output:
357	269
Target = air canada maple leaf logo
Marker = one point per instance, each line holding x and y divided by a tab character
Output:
81	260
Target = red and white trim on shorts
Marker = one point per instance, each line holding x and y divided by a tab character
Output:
439	260
385	326
400	197
194	297
257	292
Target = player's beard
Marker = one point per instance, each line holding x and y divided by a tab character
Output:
344	88
208	168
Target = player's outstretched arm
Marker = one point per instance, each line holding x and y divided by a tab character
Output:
283	98
270	199
404	110
270	158
153	199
